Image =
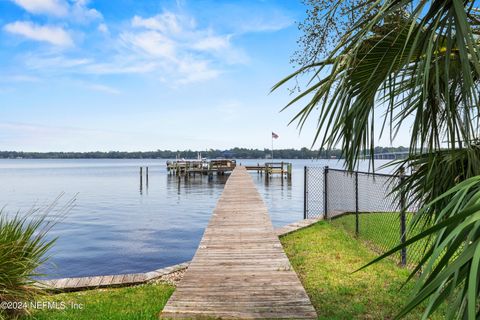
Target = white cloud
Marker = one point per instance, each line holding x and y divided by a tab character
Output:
168	23
150	42
39	62
56	64
168	46
261	16
103	28
120	67
80	12
51	34
75	10
195	71
185	52
57	8
212	43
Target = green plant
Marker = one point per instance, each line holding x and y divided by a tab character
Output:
23	249
450	268
133	303
324	256
417	63
380	231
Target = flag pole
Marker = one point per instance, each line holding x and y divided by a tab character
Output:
272	147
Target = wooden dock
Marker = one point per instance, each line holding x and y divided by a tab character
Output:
284	169
186	168
240	270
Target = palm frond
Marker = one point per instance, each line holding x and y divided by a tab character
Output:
417	64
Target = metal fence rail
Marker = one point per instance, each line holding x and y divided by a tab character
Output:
365	205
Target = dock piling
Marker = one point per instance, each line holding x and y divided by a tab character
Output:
146	176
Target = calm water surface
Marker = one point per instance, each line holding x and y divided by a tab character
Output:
116	227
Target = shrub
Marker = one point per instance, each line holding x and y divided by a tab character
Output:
23	249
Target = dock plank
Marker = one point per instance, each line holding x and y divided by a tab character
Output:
240	270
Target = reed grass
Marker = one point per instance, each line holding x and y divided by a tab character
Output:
24	247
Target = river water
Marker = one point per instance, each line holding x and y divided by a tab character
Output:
117	227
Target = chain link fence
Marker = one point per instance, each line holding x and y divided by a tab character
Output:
365	205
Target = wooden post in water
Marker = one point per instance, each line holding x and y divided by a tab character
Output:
141	179
146	176
289	171
281	173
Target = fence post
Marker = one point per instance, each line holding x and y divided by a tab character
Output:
403	228
305	192
356	205
325	194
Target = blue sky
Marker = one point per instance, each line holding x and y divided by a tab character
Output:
79	75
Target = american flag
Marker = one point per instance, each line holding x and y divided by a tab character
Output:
274	135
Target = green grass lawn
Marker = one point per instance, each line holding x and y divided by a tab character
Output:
324	257
139	302
381	231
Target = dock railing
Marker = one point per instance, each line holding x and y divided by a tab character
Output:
365	205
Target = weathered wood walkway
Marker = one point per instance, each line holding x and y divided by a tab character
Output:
121	280
240	270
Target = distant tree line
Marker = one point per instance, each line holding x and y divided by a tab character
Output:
238	153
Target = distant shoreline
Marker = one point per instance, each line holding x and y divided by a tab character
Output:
235	153
143	158
234	158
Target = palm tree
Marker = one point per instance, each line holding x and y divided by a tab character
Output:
418	64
